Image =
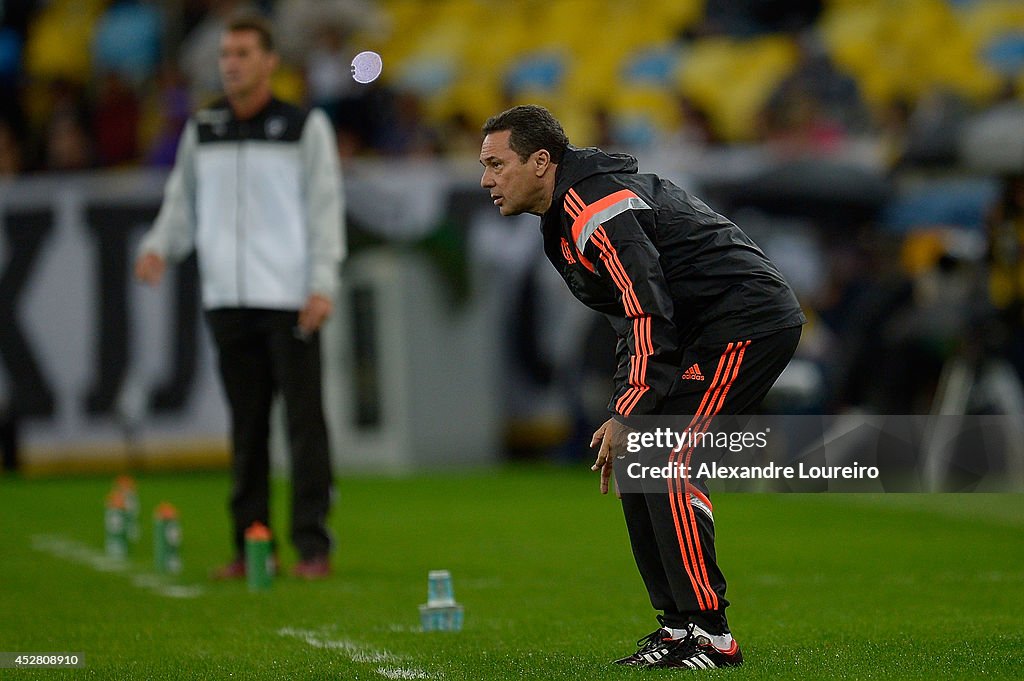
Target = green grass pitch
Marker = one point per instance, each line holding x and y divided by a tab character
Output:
823	586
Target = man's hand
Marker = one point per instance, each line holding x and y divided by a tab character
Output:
313	315
611	436
149	268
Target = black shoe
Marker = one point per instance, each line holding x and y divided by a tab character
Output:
693	651
645	645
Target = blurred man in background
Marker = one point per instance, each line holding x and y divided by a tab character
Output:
705	324
1005	231
256	192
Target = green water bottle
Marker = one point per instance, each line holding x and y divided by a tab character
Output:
125	484
166	539
259	566
116	526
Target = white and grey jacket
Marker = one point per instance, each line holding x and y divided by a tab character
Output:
260	201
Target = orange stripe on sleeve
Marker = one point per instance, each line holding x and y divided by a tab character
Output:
611	259
596	207
570	209
644	348
573	198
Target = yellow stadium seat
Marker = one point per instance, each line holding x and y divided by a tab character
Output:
983	21
59	40
732	80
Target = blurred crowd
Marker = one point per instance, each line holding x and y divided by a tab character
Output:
102	83
889	136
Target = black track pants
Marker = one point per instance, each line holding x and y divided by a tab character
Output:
671	528
260	354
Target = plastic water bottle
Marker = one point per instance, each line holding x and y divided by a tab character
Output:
166	539
125	484
259	567
116	526
439	588
441	612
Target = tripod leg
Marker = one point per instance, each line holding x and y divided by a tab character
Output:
1002	383
951	399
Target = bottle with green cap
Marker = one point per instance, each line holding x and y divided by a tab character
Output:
259	562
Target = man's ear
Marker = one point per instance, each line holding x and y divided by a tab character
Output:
541	162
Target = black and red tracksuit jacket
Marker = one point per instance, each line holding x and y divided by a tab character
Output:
667	271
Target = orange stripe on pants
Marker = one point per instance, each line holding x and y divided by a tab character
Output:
731	359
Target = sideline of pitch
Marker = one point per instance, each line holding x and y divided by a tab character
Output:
83	554
359	653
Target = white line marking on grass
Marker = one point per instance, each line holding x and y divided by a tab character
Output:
400	673
357	652
179	591
77	553
402	628
83	554
316	640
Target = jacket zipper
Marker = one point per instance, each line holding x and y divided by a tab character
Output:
239	214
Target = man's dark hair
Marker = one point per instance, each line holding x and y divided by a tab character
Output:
249	20
532	127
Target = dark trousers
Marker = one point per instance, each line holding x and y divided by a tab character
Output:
672	529
261	354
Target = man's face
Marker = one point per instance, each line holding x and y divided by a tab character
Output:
515	186
244	65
